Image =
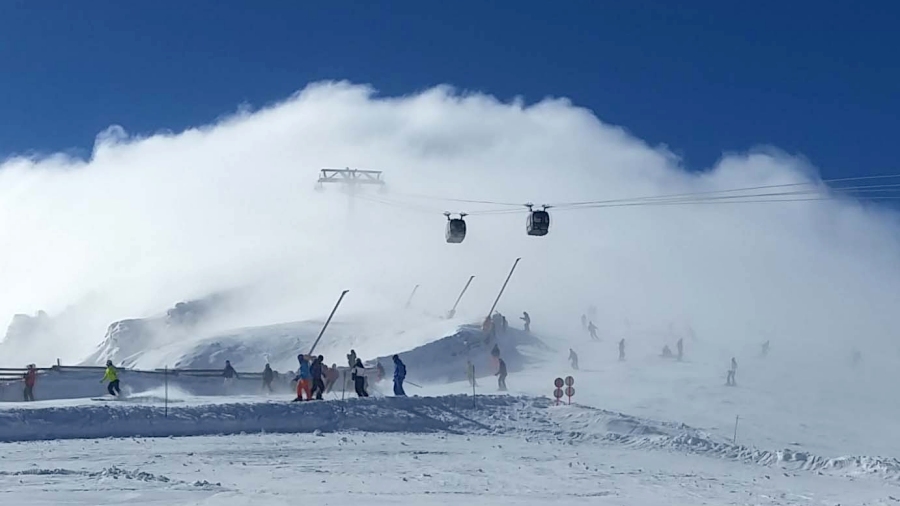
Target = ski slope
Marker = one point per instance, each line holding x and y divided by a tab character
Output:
646	430
513	450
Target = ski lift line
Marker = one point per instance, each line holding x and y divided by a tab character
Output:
713	202
705	196
450	199
712	192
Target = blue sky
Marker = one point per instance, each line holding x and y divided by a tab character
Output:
815	78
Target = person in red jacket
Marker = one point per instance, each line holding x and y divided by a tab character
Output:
30	379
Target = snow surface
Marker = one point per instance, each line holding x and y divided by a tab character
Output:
502	450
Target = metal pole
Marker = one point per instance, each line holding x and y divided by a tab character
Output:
503	288
413	294
734	438
166	375
452	312
473	381
322	332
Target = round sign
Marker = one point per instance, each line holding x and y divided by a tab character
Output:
570	391
570	381
558	393
558	382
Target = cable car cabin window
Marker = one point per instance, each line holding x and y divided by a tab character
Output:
456	231
538	223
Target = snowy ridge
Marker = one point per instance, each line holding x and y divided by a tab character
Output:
535	419
454	414
587	424
114	473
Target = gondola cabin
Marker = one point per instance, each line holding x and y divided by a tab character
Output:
456	228
538	223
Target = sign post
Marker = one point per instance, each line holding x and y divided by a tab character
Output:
558	393
570	388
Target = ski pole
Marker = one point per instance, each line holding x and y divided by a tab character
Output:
413	384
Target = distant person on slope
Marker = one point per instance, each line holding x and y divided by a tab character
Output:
268	377
318	377
304	375
379	371
399	376
358	374
593	331
111	375
730	380
229	373
30	379
573	359
501	376
622	350
667	352
495	357
527	319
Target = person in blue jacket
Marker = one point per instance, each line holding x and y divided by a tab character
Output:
399	376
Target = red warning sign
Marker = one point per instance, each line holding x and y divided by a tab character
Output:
558	393
570	381
558	382
570	391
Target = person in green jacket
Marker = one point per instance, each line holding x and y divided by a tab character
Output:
113	376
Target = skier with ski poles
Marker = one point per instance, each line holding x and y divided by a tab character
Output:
112	374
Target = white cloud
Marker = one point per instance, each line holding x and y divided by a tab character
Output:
150	221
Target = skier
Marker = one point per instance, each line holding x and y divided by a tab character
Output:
317	372
359	378
470	373
680	346
379	371
495	356
765	350
667	352
584	321
303	379
229	373
268	376
501	376
527	319
622	350
593	330
351	358
729	381
30	379
113	376
331	376
399	376
573	359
